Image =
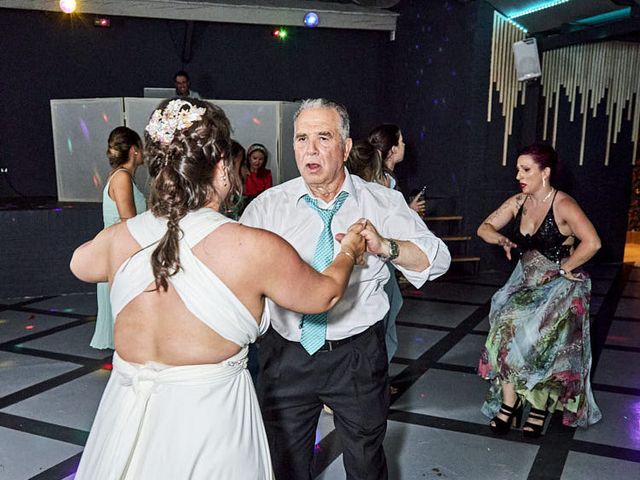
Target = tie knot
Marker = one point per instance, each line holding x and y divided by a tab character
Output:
326	213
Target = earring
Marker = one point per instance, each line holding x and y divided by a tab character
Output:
224	180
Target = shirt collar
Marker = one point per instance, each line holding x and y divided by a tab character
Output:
301	189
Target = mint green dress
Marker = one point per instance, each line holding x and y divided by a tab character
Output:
103	335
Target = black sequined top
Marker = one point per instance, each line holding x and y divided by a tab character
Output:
547	239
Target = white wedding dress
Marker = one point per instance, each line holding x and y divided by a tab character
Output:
188	422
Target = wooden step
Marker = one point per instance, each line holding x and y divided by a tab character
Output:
444	218
456	238
464	259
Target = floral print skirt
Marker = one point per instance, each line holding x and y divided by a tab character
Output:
539	342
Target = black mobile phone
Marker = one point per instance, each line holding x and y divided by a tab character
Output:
423	192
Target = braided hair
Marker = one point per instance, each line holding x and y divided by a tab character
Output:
181	166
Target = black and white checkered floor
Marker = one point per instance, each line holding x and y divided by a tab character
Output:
51	382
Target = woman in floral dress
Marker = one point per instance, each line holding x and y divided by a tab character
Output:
538	350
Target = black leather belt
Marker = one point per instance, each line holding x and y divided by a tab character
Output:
330	345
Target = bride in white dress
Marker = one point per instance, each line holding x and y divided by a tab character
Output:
187	291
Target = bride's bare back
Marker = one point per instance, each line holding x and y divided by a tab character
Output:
157	326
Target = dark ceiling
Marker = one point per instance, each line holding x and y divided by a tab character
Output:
564	22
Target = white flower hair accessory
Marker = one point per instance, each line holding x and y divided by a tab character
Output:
163	125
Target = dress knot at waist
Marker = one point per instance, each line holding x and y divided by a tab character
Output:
145	378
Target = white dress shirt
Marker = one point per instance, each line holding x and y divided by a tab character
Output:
282	210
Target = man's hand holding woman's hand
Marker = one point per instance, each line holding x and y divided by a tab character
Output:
353	242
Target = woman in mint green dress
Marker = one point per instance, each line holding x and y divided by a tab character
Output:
121	199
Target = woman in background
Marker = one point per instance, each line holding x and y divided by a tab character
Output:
538	350
188	289
365	161
259	177
237	201
387	138
121	200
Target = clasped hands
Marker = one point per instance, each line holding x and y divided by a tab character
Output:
362	237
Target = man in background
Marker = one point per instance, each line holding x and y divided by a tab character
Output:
183	85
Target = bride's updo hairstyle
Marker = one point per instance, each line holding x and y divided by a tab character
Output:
184	140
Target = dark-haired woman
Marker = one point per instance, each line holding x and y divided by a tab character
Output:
121	200
188	289
365	161
387	138
259	177
538	351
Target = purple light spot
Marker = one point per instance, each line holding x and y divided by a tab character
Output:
417	83
454	73
423	135
57	209
85	129
436	101
417	46
429	60
428	28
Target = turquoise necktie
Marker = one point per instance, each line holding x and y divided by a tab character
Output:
314	326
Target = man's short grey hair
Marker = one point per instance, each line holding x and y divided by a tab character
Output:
324	103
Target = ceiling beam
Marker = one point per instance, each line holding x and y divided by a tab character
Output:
588	34
262	12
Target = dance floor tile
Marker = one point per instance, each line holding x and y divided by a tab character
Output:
491	278
624	333
628	307
632	289
76	303
446	394
23	455
457	291
22	371
14	324
620	424
395	369
416	452
483	326
581	465
466	352
73	404
325	425
413	342
613	362
434	313
74	341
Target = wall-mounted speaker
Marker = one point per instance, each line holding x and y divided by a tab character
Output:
527	62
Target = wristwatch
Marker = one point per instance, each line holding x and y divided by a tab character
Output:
563	272
394	251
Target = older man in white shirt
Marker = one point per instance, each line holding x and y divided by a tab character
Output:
339	358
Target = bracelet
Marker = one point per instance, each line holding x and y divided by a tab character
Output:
348	254
563	272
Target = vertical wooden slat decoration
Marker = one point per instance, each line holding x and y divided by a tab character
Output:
588	75
503	74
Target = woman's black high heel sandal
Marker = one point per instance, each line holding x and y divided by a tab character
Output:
535	430
514	417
